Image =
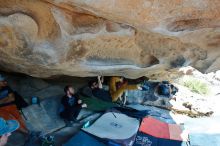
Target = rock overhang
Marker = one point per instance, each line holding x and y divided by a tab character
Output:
87	38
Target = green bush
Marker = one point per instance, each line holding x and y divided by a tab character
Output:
196	86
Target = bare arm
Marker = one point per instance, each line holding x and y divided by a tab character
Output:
100	81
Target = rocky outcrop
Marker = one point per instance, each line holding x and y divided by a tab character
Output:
46	38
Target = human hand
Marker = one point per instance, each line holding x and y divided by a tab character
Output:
84	105
99	78
79	101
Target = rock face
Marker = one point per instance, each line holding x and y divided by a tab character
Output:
132	38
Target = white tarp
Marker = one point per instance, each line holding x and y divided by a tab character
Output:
113	125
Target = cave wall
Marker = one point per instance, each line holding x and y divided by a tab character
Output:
46	38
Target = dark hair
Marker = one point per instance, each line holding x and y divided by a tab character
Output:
66	88
92	82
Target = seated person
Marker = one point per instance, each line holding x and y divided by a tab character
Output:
6	93
10	102
7	127
72	105
8	96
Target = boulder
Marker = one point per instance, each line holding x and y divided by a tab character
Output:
48	38
192	104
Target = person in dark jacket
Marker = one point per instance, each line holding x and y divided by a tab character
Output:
71	103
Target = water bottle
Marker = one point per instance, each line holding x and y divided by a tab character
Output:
34	100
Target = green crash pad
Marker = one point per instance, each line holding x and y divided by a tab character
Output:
96	104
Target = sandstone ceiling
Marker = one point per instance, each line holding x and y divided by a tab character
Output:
45	38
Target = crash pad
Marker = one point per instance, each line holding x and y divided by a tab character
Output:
83	139
96	104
